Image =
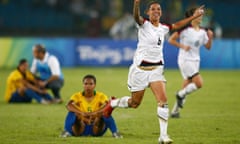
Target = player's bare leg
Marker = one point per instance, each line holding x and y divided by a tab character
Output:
78	127
196	83
124	102
189	86
98	126
159	91
129	102
175	113
136	99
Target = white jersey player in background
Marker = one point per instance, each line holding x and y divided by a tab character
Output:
147	68
191	38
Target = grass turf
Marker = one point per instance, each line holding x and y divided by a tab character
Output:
211	115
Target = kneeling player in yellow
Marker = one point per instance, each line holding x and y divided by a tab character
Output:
22	87
85	116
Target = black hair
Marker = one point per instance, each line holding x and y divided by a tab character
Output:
150	3
40	48
90	76
22	61
190	12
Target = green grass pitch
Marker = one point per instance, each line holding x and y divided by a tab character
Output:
210	116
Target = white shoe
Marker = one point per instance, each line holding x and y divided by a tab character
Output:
165	140
65	134
117	135
57	100
43	101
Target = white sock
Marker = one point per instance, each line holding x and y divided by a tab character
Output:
163	127
120	102
187	90
175	109
163	120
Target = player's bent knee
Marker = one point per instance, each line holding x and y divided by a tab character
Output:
134	104
98	126
199	85
78	127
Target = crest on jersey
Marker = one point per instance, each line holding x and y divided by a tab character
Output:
196	44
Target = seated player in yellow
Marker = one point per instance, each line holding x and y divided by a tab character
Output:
85	116
21	86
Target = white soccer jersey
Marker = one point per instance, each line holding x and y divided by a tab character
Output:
193	38
150	42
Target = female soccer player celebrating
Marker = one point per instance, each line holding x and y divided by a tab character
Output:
147	68
191	37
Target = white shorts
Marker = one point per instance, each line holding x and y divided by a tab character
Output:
139	79
188	68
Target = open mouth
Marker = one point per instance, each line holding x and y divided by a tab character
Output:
156	14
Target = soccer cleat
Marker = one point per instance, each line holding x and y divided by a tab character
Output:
165	140
45	102
65	134
117	135
107	111
57	100
175	115
180	100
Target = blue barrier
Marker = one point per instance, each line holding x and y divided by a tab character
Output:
224	54
106	52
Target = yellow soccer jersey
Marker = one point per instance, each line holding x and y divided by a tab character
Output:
14	82
84	106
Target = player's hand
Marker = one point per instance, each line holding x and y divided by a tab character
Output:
89	118
42	91
42	83
21	91
210	34
84	117
200	11
186	48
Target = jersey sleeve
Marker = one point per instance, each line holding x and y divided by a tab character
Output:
15	76
205	39
144	21
54	66
12	85
169	26
29	76
34	66
103	98
182	29
75	97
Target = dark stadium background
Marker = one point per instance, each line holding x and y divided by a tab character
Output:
93	18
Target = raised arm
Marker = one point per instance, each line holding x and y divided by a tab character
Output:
208	45
185	21
136	12
173	41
